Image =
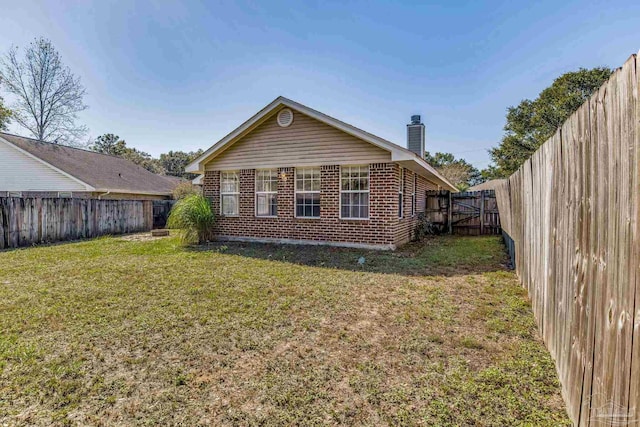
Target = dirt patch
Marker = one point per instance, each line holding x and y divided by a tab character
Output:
141	237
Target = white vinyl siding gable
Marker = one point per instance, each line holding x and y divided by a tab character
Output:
307	142
21	172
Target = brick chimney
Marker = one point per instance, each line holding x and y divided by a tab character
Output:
416	134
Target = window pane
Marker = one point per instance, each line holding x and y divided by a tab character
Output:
354	205
259	181
267	180
364	183
345	199
345	184
230	204
315	183
229	183
308	179
308	205
261	204
273	204
267	204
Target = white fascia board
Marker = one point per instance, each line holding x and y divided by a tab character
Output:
49	165
423	168
197	166
116	191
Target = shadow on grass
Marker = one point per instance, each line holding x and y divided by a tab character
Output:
435	256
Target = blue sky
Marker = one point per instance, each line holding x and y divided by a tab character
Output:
181	75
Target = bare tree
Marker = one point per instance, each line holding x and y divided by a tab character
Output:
47	96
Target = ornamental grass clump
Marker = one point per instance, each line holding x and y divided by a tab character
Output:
194	216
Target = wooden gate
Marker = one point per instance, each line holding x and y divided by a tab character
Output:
470	213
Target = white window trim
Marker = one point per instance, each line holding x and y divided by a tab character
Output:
65	194
414	206
355	191
237	193
296	191
401	192
255	210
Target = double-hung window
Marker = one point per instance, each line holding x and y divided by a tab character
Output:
229	193
267	192
413	194
308	192
354	192
401	194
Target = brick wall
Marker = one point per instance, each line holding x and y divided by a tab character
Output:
382	228
406	224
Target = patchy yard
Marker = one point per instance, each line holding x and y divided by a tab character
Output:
111	331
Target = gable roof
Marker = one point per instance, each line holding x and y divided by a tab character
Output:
96	171
398	154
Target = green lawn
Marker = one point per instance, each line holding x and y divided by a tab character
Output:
117	332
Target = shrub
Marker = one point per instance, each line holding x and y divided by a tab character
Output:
192	214
424	227
185	189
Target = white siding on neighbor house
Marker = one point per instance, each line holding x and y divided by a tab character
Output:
20	172
306	142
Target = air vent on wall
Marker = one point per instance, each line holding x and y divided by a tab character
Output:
285	117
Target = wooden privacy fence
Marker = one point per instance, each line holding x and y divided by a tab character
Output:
573	214
28	221
467	213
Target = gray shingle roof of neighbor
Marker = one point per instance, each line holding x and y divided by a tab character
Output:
101	171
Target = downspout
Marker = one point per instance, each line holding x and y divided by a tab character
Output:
103	194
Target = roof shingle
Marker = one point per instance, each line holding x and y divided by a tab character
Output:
101	171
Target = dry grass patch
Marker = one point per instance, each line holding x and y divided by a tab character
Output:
114	332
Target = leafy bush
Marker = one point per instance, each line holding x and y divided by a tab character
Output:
193	215
425	228
185	189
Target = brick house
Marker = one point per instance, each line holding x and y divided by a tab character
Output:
291	174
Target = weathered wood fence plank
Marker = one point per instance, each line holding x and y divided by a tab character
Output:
29	221
572	216
465	213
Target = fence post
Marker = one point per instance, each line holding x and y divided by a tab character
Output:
449	214
482	212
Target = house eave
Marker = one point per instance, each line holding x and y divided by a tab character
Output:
398	153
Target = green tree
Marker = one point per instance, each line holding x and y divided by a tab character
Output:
457	171
531	123
110	143
143	159
5	115
175	162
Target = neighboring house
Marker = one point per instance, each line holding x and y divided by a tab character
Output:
33	168
487	185
294	175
